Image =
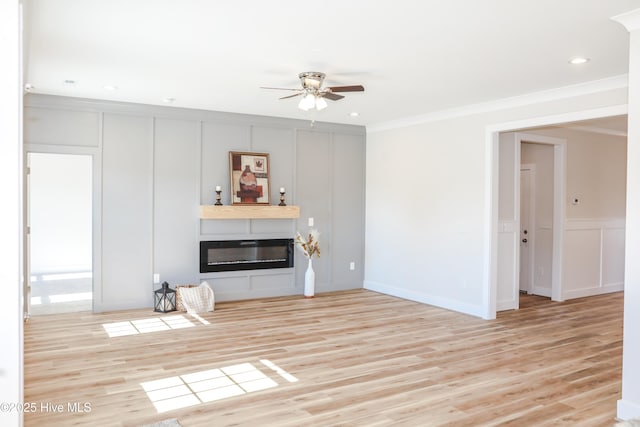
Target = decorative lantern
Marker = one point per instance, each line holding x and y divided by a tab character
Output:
165	299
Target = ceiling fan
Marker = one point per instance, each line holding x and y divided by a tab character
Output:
312	92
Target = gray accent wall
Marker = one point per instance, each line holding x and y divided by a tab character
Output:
157	165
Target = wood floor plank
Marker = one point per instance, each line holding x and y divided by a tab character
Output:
355	358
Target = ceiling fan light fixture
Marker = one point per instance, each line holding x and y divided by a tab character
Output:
307	102
321	104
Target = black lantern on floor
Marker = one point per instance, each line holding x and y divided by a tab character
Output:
165	299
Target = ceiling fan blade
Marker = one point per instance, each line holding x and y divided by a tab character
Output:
291	96
277	88
332	96
352	88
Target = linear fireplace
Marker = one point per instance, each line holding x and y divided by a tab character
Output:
231	255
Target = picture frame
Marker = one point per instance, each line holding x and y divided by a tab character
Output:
249	178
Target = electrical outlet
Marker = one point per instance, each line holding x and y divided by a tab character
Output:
352	266
156	278
311	222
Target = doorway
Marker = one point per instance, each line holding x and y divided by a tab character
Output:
568	277
527	226
59	233
522	247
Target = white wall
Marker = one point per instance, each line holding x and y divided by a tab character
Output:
596	173
629	404
427	201
593	250
60	213
425	213
11	335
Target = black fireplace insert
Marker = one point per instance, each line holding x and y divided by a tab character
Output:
231	255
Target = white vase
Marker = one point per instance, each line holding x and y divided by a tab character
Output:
309	281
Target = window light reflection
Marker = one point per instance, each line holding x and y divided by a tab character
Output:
210	385
143	326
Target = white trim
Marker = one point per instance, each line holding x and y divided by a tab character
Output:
594	86
599	290
602	131
489	281
627	409
630	20
559	185
594	224
543	292
559	191
445	303
576	116
491	225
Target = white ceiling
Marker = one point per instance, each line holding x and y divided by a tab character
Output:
413	56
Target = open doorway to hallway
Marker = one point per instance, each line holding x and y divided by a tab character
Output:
574	247
59	233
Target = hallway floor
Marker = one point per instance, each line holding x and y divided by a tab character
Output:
61	293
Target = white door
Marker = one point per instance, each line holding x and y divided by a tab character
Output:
527	174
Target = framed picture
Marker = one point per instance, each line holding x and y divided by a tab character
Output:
249	178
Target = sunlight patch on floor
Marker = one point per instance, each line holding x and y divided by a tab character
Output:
143	326
207	386
79	296
60	276
278	370
199	319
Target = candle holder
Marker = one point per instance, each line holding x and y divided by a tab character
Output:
282	203
218	202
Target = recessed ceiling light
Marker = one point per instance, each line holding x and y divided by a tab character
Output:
69	82
169	100
578	60
110	87
354	114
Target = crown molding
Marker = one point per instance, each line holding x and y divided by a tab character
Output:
596	129
594	86
630	20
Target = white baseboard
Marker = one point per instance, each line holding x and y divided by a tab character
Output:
504	305
628	410
589	292
543	292
445	303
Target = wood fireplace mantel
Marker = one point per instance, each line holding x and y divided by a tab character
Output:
249	212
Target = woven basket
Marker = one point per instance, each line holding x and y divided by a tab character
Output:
179	305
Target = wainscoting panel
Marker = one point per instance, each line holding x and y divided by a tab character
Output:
158	165
240	285
61	127
613	264
593	257
273	281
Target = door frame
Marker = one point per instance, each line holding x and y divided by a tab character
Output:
492	132
559	190
531	235
96	216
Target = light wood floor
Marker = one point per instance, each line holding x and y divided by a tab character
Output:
360	359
